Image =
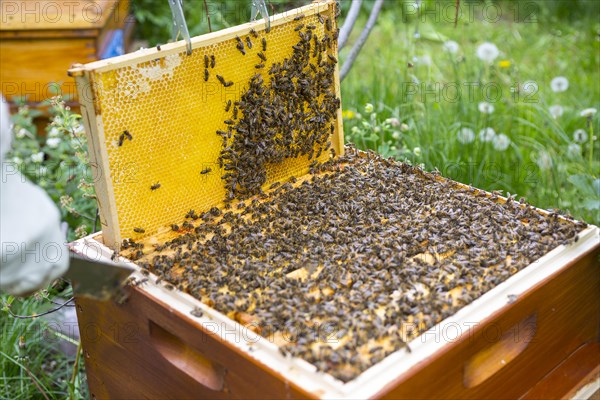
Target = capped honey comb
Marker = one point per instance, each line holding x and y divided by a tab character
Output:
151	119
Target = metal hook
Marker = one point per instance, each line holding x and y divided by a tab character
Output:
259	6
179	24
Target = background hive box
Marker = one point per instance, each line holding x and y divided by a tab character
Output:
49	36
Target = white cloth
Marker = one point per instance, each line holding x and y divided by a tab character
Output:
33	249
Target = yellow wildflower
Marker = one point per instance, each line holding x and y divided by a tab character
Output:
504	64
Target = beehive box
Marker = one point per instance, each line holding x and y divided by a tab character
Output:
151	120
48	36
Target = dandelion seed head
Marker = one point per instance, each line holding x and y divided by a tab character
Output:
465	135
559	84
580	136
556	111
544	160
588	112
487	52
501	142
485	107
487	134
451	46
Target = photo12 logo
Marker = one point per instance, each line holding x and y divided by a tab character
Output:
467	11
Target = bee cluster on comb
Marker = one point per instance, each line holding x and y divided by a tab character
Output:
291	114
346	265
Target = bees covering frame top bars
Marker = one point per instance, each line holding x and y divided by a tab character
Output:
158	121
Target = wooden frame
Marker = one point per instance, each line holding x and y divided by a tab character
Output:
92	112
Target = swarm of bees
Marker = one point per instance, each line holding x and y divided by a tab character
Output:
346	265
292	115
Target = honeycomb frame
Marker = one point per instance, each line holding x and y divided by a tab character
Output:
148	178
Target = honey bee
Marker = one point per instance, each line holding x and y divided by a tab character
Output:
228	106
259	66
206	74
205	171
299	27
213	62
155	186
253	33
264	44
261	56
124	135
139	230
299	17
175	227
205	61
248	42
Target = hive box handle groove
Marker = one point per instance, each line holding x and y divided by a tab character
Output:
490	360
186	359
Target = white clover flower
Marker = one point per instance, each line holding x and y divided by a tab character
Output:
37	157
451	46
369	108
394	122
17	160
396	135
580	136
78	128
21	133
501	142
559	84
354	130
43	171
588	112
53	132
486	107
530	87
573	150
487	134
404	127
544	160
377	129
465	135
487	52
556	111
417	151
53	142
358	116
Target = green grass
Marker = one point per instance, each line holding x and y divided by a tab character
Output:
538	50
31	366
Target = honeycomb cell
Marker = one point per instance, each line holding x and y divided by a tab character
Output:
172	114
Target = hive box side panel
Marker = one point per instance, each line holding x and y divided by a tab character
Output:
545	325
144	349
